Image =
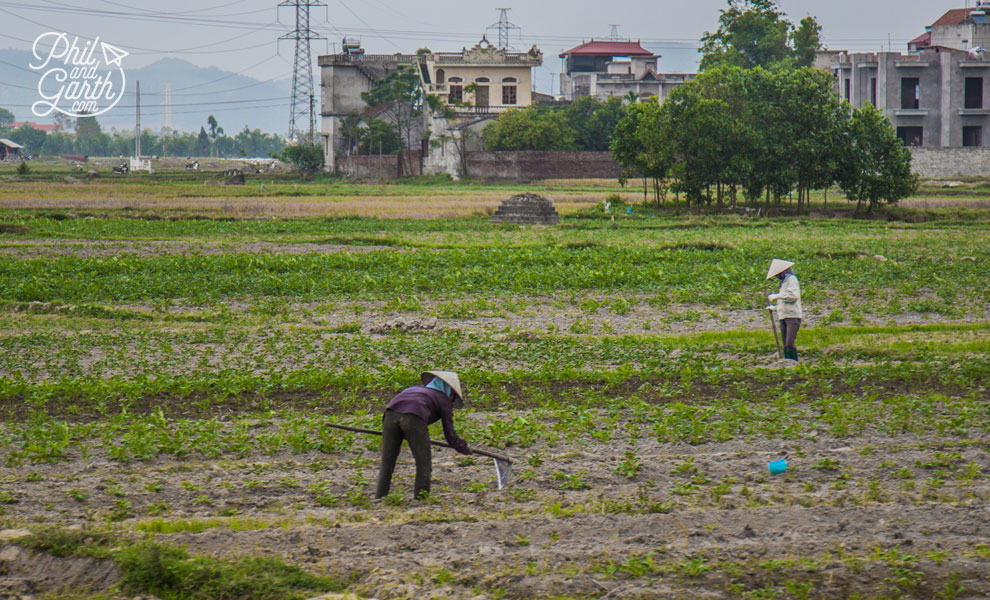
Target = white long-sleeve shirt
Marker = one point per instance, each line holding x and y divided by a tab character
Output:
789	299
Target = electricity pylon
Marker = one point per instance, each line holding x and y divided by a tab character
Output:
504	27
302	71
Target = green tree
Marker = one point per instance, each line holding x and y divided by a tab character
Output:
815	118
398	96
215	132
529	129
875	166
6	117
29	137
594	121
643	145
378	137
304	157
806	40
202	143
754	33
59	142
90	139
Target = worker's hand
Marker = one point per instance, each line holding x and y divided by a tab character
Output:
771	307
773	297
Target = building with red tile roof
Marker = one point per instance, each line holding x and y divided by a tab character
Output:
50	128
614	68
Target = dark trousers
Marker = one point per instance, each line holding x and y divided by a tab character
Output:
395	428
788	331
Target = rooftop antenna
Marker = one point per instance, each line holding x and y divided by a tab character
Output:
504	27
614	35
302	71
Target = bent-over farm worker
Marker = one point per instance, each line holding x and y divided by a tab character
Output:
408	416
788	308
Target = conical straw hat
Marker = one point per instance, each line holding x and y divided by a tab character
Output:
778	266
451	379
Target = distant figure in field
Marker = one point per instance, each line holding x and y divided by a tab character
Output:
788	308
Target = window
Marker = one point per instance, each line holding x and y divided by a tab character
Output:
482	80
972	136
481	95
848	90
456	94
508	94
440	76
873	91
455	80
911	136
974	92
509	80
910	93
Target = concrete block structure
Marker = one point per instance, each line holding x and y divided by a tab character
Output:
938	98
937	95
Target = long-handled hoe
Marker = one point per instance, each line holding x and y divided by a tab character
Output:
503	464
773	324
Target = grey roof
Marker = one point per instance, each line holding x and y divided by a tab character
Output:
9	143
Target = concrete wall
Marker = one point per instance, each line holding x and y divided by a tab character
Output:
948	163
532	166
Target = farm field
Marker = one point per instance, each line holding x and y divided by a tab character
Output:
169	363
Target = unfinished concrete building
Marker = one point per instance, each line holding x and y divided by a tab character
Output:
935	96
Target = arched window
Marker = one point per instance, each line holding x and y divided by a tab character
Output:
509	80
440	76
455	80
482	80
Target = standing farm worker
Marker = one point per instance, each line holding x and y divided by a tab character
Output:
408	416
788	308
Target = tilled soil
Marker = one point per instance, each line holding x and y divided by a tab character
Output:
876	515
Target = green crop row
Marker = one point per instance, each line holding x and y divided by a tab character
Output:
686	275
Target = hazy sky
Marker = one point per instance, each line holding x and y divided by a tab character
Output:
234	35
240	36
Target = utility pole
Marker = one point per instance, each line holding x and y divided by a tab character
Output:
302	72
137	123
167	127
504	27
312	120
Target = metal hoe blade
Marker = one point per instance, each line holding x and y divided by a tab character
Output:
503	472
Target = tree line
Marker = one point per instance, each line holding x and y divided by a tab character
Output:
90	139
762	134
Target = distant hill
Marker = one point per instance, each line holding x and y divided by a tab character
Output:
193	90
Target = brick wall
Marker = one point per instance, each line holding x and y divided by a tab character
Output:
947	163
531	166
386	166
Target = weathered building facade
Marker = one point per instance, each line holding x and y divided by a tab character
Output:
482	77
474	85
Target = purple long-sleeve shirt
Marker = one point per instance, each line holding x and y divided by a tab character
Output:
430	405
